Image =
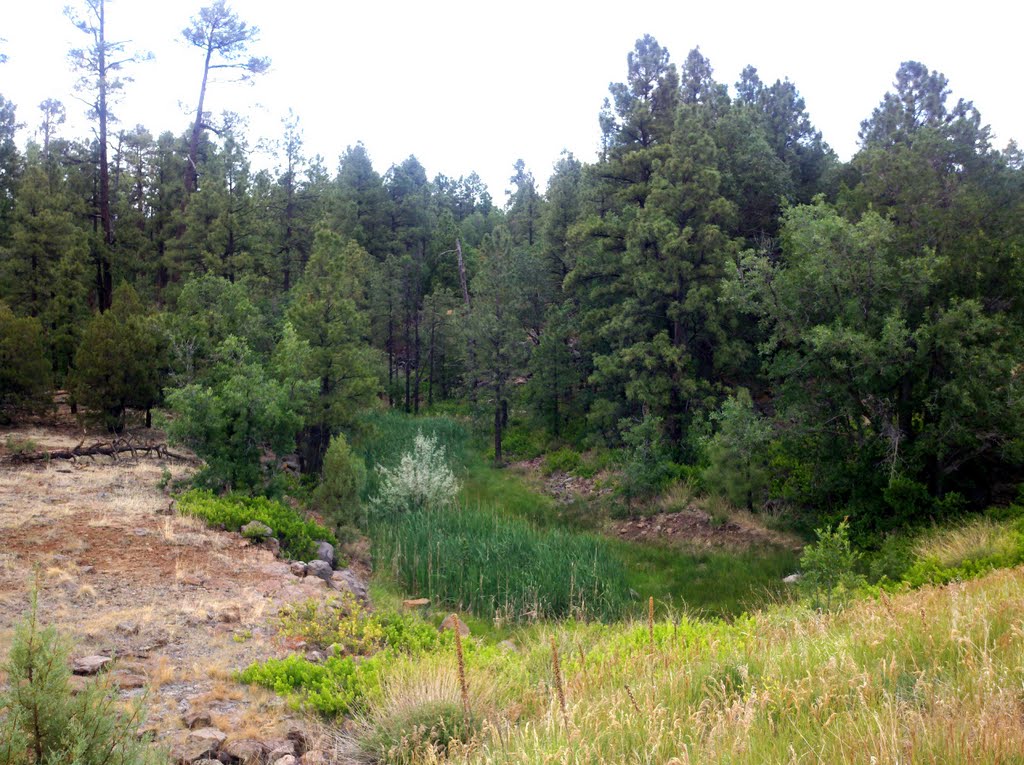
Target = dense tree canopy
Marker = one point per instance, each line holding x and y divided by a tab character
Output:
715	293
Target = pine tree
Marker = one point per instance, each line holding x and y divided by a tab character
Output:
25	378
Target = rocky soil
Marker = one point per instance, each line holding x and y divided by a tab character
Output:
175	607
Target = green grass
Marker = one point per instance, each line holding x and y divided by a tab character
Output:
718	583
501	567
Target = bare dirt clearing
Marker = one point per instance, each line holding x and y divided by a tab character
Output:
181	607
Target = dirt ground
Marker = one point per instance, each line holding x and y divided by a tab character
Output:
179	606
690	527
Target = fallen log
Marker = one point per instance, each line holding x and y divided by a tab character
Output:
112	449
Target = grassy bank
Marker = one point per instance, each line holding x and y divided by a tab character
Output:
932	675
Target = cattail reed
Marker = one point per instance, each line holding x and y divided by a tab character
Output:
559	688
463	685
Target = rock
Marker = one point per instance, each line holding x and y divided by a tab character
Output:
188	746
90	665
315	656
196	719
86	569
792	578
192	581
451	622
127	681
273	545
416	603
351	581
320	569
297	736
288	759
246	750
508	645
127	628
298	568
256	531
325	552
279	749
230	615
314	757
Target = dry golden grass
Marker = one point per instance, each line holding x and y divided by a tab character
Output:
978	539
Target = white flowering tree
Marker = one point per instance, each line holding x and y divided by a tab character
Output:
421	481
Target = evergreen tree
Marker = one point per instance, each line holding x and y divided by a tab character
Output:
118	365
25	379
324	311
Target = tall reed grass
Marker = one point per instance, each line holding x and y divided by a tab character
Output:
474	558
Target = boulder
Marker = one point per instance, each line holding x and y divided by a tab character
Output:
415	603
349	580
325	552
272	544
320	569
257	531
298	568
247	751
127	681
792	578
286	759
89	665
453	622
196	719
186	747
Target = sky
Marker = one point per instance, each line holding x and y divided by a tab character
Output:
474	86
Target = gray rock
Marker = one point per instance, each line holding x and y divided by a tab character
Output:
257	531
89	665
792	578
325	552
315	656
298	568
319	568
273	545
287	759
349	580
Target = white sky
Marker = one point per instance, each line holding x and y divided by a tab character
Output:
475	85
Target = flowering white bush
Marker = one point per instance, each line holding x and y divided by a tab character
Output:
421	481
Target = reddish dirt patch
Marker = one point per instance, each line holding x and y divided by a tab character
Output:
180	605
695	527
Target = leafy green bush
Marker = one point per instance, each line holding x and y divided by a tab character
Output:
564	460
333	688
296	534
43	723
476	559
231	421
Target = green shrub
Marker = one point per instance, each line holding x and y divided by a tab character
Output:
296	534
738	453
42	723
383	437
421	482
333	688
564	460
495	566
337	498
828	567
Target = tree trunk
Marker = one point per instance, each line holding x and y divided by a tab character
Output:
191	167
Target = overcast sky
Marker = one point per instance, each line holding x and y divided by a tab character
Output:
475	85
